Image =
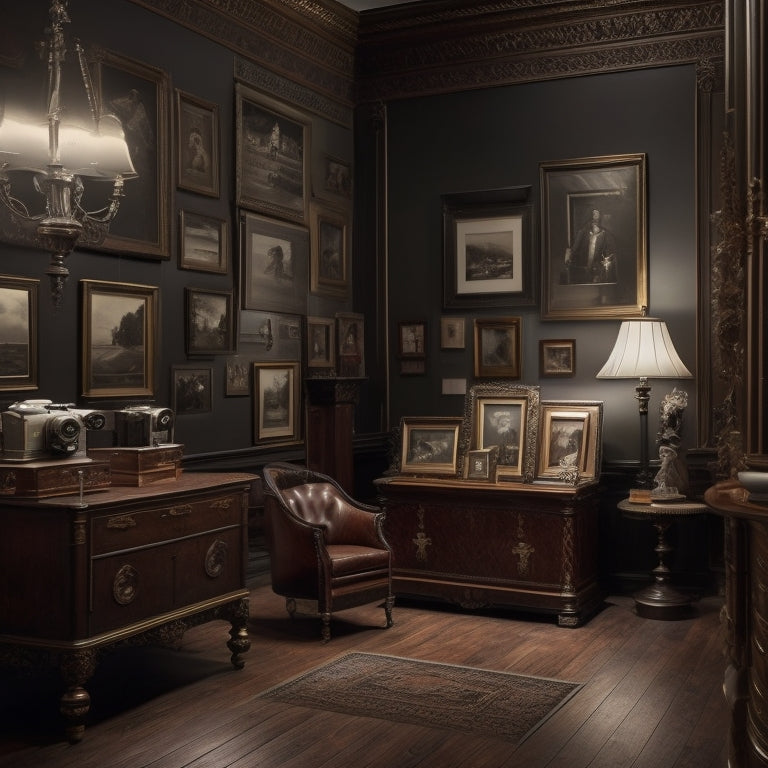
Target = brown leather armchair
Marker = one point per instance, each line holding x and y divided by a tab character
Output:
324	546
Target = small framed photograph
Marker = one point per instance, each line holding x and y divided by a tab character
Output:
237	376
191	388
18	333
120	322
452	332
272	151
557	357
570	443
412	339
506	416
488	247
203	243
329	255
197	144
337	177
498	349
429	445
351	344
321	342
209	322
594	238
275	261
481	464
276	403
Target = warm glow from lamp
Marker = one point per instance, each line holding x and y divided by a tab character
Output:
643	350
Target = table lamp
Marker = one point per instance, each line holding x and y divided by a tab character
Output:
643	350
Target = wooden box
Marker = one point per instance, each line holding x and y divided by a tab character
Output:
56	477
143	465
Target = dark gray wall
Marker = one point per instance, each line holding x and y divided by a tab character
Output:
497	137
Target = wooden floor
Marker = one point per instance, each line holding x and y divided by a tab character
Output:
652	696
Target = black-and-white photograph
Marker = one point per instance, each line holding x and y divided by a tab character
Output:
204	243
501	425
209	321
191	390
272	150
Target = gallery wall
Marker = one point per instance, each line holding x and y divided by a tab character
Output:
499	137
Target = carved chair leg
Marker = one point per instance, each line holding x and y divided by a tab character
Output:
388	605
325	630
238	642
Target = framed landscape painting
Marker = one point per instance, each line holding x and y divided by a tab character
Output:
120	326
18	333
429	445
276	402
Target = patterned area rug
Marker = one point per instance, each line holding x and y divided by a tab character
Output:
473	700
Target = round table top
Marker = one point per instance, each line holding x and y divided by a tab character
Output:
669	508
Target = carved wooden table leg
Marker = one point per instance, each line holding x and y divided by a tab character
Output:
76	669
238	643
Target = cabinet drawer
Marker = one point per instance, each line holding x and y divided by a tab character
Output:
132	586
113	533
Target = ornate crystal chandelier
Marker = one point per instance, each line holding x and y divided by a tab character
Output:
61	154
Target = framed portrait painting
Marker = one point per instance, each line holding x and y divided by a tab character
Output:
18	333
506	416
272	152
321	342
488	249
498	348
276	402
203	243
429	445
197	144
350	349
557	357
570	443
329	229
139	95
274	257
120	322
594	238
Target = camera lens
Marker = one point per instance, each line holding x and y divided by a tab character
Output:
164	418
94	420
63	433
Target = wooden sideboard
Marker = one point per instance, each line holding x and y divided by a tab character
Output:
525	546
125	565
745	621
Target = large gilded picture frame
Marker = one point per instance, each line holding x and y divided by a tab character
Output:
120	333
594	238
272	153
429	445
497	413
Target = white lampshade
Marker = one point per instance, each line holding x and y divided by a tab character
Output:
644	349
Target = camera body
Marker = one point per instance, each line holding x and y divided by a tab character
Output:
143	425
41	429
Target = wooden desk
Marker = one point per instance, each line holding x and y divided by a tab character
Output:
133	565
477	544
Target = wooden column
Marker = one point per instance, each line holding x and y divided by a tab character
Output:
330	404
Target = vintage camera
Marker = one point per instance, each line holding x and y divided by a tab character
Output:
143	425
38	429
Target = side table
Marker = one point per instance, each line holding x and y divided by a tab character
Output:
660	600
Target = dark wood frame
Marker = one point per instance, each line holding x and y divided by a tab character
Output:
262	434
260	288
323	356
459	326
187	260
508	216
329	229
196	116
148	197
511	365
147	298
351	359
551	368
253	112
194	299
337	177
202	376
616	185
19	329
419	333
231	387
589	414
